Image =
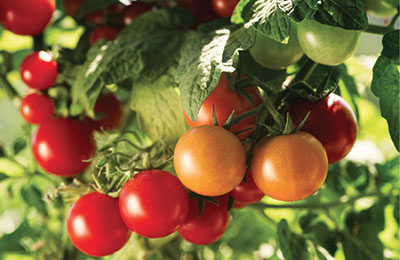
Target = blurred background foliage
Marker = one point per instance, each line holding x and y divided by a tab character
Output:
357	210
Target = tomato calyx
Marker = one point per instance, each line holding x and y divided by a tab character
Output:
220	200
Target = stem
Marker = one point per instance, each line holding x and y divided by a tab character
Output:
305	71
38	42
8	88
377	29
337	203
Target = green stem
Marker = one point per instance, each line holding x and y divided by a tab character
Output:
377	29
337	203
8	88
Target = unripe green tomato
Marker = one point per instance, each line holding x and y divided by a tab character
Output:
326	44
275	55
380	8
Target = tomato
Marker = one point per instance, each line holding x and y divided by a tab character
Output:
133	11
36	108
289	167
225	101
247	192
95	226
201	10
331	121
224	8
326	44
207	228
111	112
154	203
380	8
72	7
239	205
274	55
61	146
26	17
210	160
38	70
107	32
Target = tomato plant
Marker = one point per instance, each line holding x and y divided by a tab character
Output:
224	8
38	70
154	203
274	55
108	33
206	228
201	10
17	17
326	44
380	8
36	108
289	167
331	121
95	226
209	160
224	102
131	12
247	192
62	146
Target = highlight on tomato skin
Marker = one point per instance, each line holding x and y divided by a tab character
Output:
36	108
289	167
38	70
331	121
95	226
224	8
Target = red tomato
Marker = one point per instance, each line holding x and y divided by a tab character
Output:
225	101
36	108
224	8
111	111
239	205
107	32
207	228
247	192
331	121
26	17
131	12
201	10
95	226
154	203
38	70
61	146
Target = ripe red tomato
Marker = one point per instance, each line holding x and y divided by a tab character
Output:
61	146
207	228
36	108
331	121
225	101
95	226
38	70
107	32
111	111
239	205
26	17
154	203
131	12
210	160
247	192
224	8
201	10
289	167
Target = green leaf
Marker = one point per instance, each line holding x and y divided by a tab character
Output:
385	84
204	57
351	87
292	245
89	6
11	168
158	107
11	119
34	198
13	242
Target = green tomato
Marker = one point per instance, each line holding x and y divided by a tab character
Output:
275	55
326	44
380	8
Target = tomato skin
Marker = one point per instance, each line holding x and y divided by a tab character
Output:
239	205
225	101
36	108
201	10
61	145
107	32
95	226
26	17
274	55
153	203
112	111
210	160
38	70
133	11
380	8
207	228
326	44
289	167
224	8
247	192
331	121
